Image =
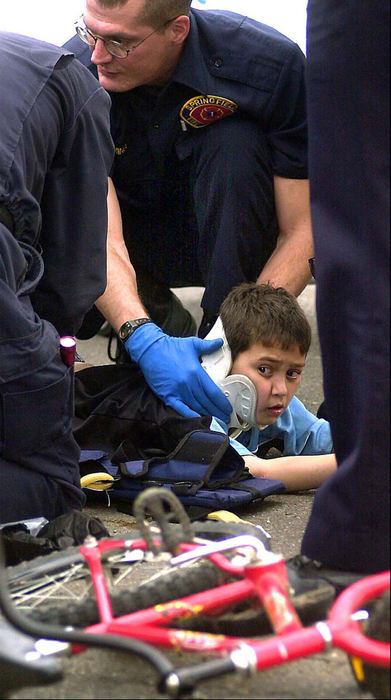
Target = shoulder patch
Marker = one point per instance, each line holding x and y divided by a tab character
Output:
120	150
205	109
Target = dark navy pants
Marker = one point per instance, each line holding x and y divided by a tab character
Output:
348	49
39	470
212	220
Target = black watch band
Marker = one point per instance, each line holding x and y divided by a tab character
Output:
128	328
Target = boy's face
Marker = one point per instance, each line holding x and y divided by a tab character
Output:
276	375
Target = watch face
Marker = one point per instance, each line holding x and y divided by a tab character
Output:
128	327
124	330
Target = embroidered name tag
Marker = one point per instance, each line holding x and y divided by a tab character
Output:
206	109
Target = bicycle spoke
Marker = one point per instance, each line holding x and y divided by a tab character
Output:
59	586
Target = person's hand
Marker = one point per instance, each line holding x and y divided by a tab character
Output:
172	369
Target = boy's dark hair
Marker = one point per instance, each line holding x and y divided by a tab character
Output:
259	313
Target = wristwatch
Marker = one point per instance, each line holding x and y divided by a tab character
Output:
128	328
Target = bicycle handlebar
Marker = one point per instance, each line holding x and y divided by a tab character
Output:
347	634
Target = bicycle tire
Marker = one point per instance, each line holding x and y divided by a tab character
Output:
169	584
375	679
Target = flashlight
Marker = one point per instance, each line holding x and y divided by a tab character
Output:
68	349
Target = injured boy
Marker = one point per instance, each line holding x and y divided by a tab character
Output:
267	340
259	368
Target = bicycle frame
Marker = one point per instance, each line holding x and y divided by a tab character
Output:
263	580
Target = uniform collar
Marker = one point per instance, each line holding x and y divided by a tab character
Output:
191	69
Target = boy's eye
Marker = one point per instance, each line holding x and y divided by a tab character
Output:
293	373
266	371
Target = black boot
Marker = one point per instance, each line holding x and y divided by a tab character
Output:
305	573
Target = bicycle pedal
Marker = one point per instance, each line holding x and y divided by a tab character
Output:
226	516
164	507
238	542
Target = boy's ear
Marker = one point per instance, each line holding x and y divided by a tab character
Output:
179	29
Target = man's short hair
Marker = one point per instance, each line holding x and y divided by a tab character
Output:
260	313
155	12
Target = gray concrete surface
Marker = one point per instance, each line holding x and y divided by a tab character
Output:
98	674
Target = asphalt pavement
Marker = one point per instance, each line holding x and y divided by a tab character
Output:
106	674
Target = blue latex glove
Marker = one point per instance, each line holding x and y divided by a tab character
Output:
173	370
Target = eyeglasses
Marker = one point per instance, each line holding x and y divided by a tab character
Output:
119	49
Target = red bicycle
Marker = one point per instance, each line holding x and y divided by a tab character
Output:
233	571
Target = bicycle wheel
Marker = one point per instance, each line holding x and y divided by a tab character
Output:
375	679
55	581
57	588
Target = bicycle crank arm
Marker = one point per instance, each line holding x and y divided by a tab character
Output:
183	680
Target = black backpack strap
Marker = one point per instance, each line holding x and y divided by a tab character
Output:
202	453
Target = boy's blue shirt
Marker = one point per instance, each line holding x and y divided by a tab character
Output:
302	433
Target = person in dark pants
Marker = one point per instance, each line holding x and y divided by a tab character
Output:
209	123
348	103
55	156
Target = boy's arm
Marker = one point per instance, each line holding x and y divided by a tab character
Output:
298	473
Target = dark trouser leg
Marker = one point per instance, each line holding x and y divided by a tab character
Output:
164	307
215	224
349	123
36	397
28	494
93	320
234	206
39	467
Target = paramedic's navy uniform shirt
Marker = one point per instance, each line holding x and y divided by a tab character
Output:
51	141
226	55
231	57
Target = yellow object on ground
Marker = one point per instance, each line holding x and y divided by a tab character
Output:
225	516
100	481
